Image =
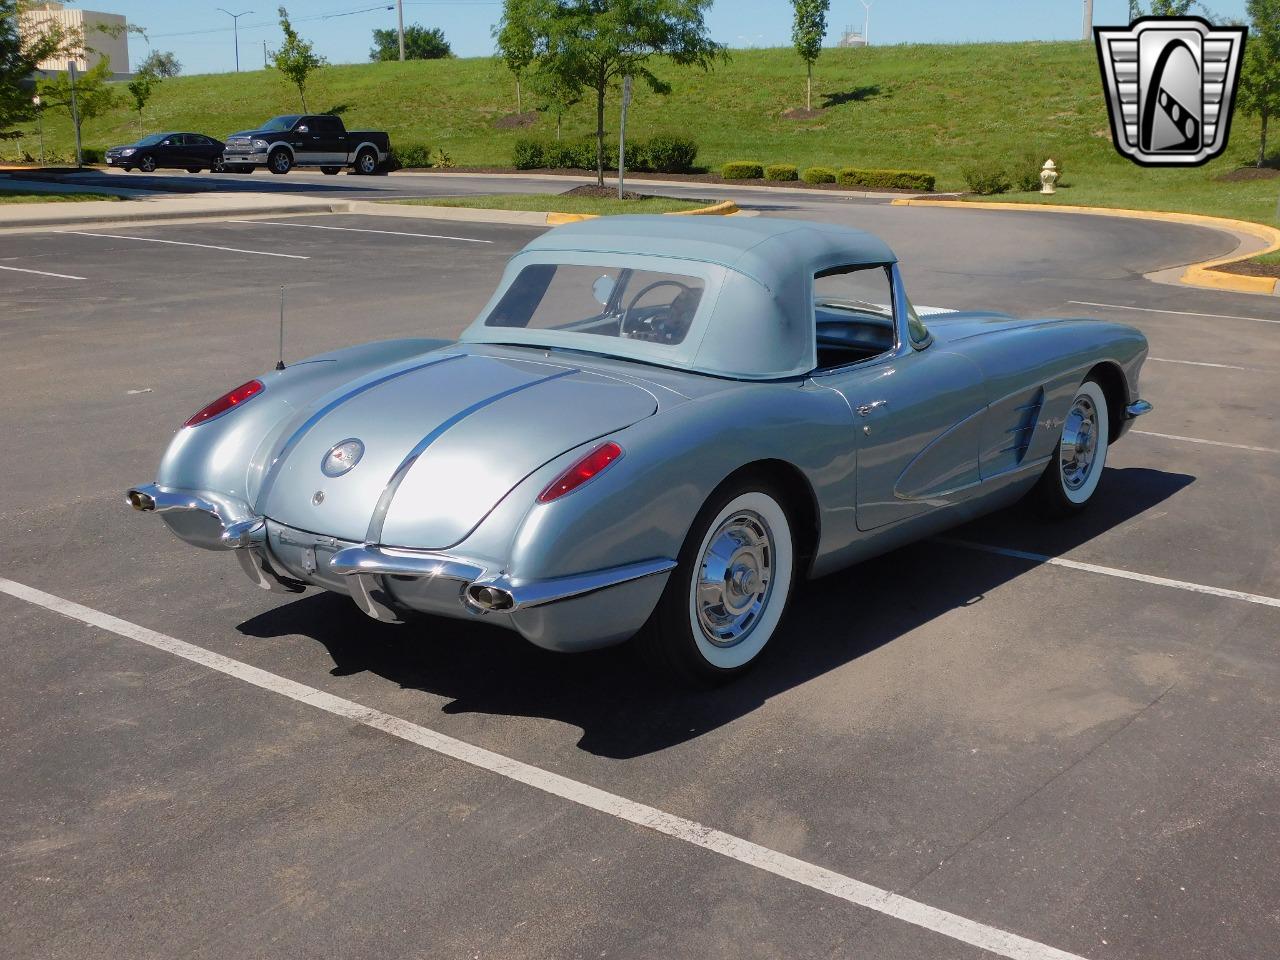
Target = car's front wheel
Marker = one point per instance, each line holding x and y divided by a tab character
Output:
147	164
729	591
1074	470
330	171
279	161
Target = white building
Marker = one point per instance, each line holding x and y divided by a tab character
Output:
103	35
852	38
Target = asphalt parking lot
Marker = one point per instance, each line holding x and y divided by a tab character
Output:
1070	751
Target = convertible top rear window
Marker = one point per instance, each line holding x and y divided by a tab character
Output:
644	305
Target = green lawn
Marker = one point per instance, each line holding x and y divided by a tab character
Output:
931	107
25	196
556	203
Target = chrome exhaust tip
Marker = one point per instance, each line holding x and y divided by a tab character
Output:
489	598
140	501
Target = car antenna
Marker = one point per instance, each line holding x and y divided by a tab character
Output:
280	362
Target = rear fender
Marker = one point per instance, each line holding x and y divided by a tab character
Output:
227	455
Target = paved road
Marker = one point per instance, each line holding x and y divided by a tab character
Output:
1081	758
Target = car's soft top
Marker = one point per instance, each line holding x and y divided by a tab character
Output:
755	320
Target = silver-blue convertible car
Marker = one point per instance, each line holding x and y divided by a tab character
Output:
655	427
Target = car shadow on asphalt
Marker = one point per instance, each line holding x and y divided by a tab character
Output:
624	710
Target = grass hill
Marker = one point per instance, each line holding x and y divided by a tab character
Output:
932	107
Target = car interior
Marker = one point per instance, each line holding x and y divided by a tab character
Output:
853	314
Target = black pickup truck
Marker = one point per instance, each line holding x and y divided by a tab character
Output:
298	140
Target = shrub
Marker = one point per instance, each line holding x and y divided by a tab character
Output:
93	154
742	170
781	171
1024	172
663	153
410	155
528	154
819	175
886	179
986	178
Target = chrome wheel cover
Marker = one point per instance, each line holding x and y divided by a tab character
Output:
368	162
147	165
280	161
735	578
1079	445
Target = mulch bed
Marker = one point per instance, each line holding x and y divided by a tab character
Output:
513	121
607	193
800	113
1250	269
1249	173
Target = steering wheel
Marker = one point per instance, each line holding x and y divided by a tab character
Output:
653	332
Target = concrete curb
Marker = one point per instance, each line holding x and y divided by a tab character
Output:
1194	275
422	211
168	210
725	208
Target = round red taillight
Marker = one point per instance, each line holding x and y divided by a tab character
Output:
582	471
232	398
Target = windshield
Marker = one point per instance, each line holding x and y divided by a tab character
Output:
153	139
281	123
644	305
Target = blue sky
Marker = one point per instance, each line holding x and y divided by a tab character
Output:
202	37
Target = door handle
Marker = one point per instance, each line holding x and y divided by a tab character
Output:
866	409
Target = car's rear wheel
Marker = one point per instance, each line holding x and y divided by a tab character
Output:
279	161
366	162
219	166
724	601
330	171
1075	469
147	164
193	169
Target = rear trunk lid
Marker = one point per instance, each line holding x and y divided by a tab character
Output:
443	441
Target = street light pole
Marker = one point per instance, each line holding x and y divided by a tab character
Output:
235	29
39	124
400	16
1088	19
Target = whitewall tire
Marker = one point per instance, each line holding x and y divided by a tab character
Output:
1073	472
724	601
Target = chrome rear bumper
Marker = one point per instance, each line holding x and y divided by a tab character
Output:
571	612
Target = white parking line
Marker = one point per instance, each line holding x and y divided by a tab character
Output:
44	273
1114	572
394	233
818	878
1211	443
1179	313
1201	363
185	243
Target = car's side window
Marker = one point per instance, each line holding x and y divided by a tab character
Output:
853	314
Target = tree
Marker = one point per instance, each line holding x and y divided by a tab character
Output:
419	44
140	88
555	96
161	64
296	59
593	44
807	33
514	36
1260	79
19	56
1172	8
94	94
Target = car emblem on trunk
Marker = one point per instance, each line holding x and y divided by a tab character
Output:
342	457
1171	84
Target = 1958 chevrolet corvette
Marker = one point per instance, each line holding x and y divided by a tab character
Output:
655	427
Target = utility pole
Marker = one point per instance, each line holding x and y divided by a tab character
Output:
622	136
235	29
75	111
400	16
264	55
1088	20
